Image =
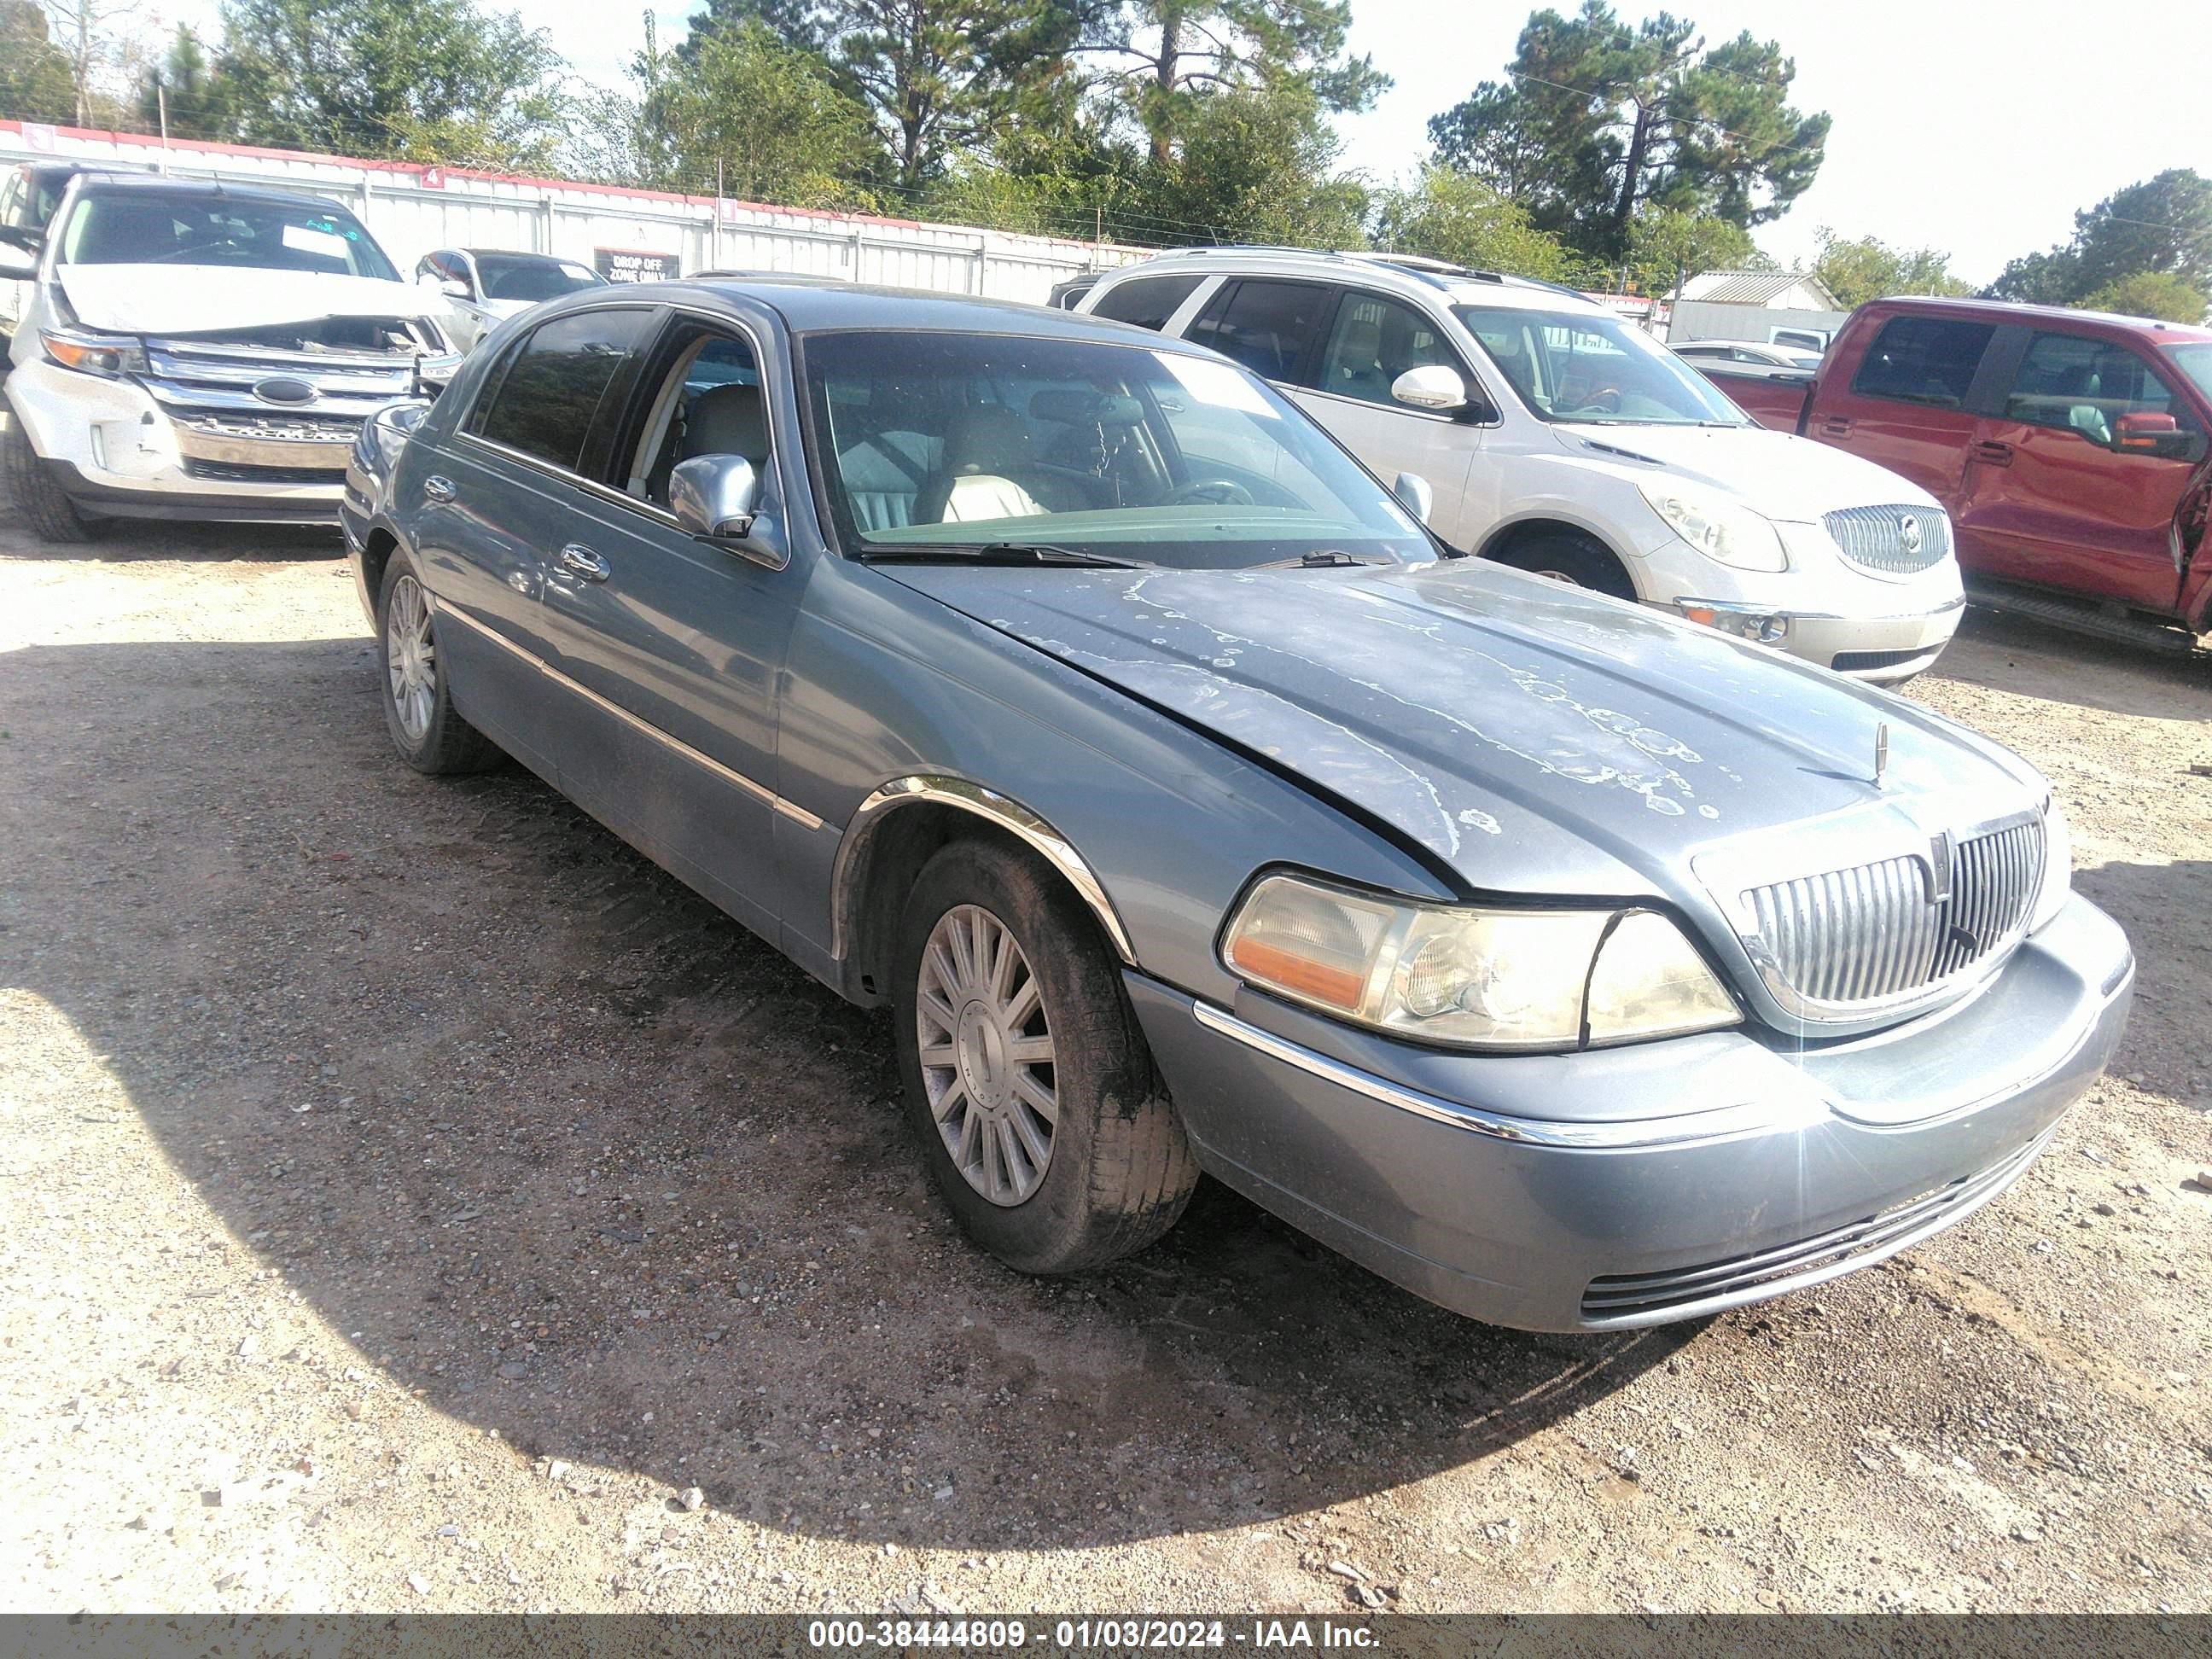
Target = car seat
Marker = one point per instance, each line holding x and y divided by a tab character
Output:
986	448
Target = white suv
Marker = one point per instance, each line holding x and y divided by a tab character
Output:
1558	437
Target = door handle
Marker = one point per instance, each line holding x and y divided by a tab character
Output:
1836	426
578	560
1992	453
438	489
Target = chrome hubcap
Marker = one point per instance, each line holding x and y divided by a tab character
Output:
987	1054
411	657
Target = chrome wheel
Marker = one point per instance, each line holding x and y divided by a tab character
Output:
987	1054
411	657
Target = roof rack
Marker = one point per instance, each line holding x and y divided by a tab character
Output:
1415	265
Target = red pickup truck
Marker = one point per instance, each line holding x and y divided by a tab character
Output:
2069	447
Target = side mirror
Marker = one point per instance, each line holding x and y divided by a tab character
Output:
1432	386
715	497
2155	432
1413	490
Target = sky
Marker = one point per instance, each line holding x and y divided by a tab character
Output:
1966	125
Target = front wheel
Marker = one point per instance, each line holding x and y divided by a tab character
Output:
1040	1113
41	500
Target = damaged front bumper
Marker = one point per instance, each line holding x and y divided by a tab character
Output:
207	430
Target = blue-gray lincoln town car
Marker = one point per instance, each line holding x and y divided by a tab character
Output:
1065	689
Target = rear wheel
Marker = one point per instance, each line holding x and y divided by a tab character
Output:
50	512
1561	556
426	728
1040	1113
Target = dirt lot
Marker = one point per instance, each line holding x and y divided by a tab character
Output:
415	1200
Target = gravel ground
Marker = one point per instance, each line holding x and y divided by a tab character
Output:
417	1201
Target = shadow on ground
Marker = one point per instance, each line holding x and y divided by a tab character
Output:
2004	653
558	1143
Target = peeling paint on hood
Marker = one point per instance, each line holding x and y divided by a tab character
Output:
203	299
1481	712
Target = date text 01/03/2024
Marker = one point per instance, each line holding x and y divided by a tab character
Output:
988	1635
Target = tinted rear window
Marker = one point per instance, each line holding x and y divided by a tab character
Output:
1266	326
549	401
1148	301
1924	360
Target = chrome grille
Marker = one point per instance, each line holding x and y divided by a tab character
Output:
1871	934
1893	540
207	390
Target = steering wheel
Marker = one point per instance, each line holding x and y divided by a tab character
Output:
1597	400
1211	492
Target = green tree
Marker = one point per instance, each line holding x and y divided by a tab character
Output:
1254	164
939	76
1866	268
36	81
802	24
1454	216
196	98
2162	225
769	117
1162	58
1597	122
2158	294
1666	245
427	80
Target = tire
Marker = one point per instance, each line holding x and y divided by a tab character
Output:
1118	1168
426	728
1564	557
51	513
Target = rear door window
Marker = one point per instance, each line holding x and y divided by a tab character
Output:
563	388
1148	301
1924	360
1269	327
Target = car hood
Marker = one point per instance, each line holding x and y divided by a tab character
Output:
1478	713
1775	473
204	299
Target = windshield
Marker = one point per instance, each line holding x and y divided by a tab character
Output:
180	228
954	442
2194	359
1584	366
505	278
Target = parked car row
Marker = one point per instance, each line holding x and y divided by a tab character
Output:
1066	688
2069	448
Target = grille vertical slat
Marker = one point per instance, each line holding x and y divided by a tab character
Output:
1875	537
1870	934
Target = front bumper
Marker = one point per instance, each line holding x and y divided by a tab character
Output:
117	451
1882	650
1653	1182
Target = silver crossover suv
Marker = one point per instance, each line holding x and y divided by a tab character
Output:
1066	689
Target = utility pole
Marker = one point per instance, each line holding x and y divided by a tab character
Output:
161	103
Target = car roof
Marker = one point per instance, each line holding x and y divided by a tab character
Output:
519	254
813	305
151	184
1745	345
1405	273
2007	310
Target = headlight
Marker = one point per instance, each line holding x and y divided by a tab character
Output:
2057	883
1720	530
108	355
1472	977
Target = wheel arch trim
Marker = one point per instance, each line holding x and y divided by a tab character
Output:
962	794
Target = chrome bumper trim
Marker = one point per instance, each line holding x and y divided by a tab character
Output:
1716	1123
759	791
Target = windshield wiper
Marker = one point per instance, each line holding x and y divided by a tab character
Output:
998	553
1327	558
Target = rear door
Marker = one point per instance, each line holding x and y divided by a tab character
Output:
1909	405
2060	496
497	496
1371	340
